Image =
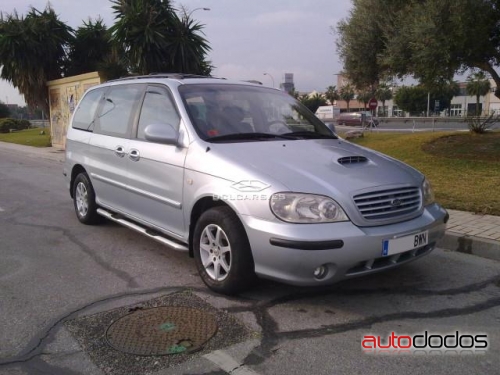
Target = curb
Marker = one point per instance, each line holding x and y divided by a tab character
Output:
462	243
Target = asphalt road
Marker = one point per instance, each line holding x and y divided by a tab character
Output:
54	270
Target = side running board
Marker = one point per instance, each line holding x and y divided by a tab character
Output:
147	232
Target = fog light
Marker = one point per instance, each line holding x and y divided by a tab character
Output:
320	272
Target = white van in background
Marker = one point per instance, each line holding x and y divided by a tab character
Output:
328	113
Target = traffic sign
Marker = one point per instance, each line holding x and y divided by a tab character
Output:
372	104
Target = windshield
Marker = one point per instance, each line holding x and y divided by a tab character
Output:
222	112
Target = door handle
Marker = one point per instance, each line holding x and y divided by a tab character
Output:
120	151
134	155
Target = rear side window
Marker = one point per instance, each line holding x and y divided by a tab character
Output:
117	112
85	114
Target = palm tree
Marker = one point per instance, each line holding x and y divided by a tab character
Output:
478	85
332	94
313	102
90	46
383	93
156	39
187	48
347	94
33	51
365	96
141	29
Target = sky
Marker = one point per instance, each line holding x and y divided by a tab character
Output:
248	38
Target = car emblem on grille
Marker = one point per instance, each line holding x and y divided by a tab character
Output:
396	202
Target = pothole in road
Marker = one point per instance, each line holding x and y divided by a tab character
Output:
155	334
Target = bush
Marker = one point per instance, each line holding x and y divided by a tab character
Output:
479	125
6	124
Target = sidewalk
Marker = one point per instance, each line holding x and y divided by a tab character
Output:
466	232
473	234
50	153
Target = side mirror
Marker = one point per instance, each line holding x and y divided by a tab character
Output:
330	126
161	133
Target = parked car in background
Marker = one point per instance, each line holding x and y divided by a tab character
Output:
246	180
356	118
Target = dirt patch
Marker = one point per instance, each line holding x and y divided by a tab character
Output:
485	147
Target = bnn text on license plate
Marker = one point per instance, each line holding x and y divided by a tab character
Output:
402	244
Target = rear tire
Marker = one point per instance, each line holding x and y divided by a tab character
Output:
84	200
222	252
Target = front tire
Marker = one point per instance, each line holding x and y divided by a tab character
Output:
84	200
222	252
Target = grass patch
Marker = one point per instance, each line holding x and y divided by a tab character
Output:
484	147
28	137
463	168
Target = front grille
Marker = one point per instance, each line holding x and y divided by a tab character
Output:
352	160
388	204
372	265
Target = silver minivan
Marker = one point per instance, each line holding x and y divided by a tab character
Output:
246	180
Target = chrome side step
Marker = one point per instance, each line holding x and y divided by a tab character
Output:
147	232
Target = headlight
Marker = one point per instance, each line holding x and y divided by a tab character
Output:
306	208
427	193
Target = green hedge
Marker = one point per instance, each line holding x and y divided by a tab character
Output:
6	124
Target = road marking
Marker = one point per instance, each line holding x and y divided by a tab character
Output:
1	209
228	363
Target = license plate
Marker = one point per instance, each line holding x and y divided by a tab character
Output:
402	244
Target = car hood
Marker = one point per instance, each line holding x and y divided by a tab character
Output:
312	166
308	166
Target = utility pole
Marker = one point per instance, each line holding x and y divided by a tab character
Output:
428	102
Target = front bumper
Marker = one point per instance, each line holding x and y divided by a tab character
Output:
291	252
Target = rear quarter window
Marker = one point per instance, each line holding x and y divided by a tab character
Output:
86	111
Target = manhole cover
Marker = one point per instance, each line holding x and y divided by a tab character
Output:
162	330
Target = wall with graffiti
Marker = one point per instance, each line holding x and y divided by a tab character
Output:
64	95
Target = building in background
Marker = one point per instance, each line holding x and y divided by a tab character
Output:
460	105
288	85
64	95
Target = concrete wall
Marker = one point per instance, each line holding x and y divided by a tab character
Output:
64	95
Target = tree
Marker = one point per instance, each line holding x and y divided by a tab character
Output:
383	94
347	94
187	48
313	102
444	93
4	110
89	47
32	52
478	85
430	40
332	94
156	39
359	41
364	96
412	99
295	94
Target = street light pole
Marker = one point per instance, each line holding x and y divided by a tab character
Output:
272	79
428	102
187	15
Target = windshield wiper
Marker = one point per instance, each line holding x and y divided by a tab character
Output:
308	135
246	136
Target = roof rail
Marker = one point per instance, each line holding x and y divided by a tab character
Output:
162	75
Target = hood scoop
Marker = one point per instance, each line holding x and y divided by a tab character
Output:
349	160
